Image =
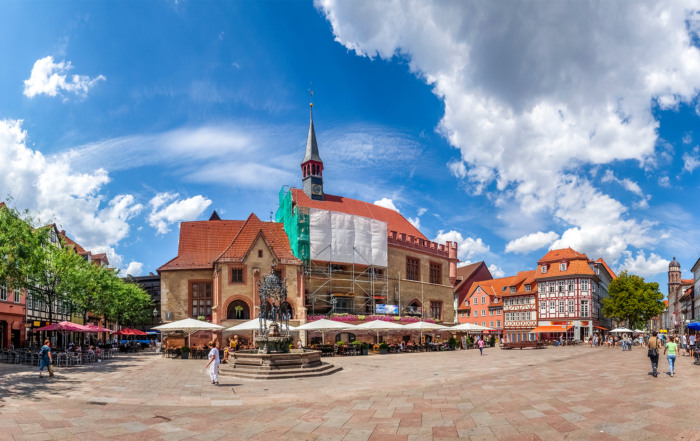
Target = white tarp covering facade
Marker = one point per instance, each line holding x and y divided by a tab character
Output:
345	238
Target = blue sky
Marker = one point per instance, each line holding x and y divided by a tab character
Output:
508	130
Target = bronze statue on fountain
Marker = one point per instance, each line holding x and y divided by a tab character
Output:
275	312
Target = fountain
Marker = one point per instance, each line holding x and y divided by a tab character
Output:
274	358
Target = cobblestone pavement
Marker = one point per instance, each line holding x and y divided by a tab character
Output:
552	394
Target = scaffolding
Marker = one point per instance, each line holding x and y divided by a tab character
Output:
330	286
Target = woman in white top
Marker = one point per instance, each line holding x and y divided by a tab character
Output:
213	364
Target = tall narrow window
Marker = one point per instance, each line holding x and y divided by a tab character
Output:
584	285
412	268
3	293
571	306
584	308
18	295
436	310
201	299
561	307
435	273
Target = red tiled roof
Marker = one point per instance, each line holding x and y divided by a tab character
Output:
687	281
573	267
201	242
612	273
272	232
101	257
562	254
394	220
71	243
493	287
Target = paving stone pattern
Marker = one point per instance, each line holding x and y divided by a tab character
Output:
572	393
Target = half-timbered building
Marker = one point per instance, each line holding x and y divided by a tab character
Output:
520	308
570	290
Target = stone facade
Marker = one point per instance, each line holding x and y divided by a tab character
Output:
435	299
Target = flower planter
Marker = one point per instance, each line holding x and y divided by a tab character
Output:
185	355
383	351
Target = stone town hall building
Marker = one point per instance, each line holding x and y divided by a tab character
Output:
336	254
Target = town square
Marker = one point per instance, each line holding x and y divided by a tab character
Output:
575	393
349	220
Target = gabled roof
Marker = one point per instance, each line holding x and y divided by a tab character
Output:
101	257
562	254
201	242
687	281
492	288
610	271
394	220
67	241
271	232
466	271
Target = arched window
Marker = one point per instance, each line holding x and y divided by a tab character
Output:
238	310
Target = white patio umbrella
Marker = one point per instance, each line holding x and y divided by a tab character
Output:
424	326
616	330
252	325
189	326
638	331
379	325
479	328
465	327
324	325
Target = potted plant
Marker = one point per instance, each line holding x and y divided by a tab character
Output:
492	341
383	348
452	343
469	341
364	348
185	352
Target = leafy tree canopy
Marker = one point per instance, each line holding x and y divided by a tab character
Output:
632	300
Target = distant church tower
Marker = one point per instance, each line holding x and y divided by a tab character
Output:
312	165
674	289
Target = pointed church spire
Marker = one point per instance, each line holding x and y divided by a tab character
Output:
311	146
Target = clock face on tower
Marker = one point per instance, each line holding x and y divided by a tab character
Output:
316	189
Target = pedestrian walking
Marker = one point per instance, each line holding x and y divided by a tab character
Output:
691	341
45	359
481	346
653	353
671	348
213	364
685	345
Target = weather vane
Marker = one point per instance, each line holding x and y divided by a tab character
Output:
311	93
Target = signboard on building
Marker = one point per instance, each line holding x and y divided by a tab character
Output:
386	309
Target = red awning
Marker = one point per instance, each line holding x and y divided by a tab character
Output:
541	329
598	327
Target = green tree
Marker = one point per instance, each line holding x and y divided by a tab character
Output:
632	300
91	285
19	245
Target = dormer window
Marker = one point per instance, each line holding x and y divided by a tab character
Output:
543	268
512	290
466	302
528	287
504	288
562	266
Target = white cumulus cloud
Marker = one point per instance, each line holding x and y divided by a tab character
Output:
531	242
134	268
496	271
53	192
49	78
415	221
467	248
386	203
691	161
550	84
165	213
643	266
